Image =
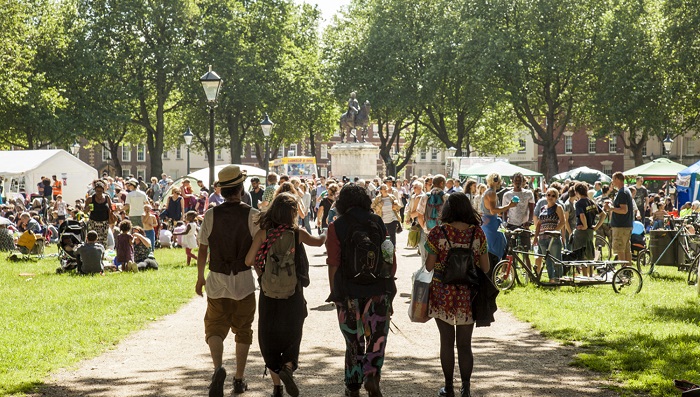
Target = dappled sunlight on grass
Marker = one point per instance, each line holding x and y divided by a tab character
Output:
643	341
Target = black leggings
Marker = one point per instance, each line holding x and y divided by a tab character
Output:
464	350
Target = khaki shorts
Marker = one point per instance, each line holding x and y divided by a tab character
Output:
224	314
621	239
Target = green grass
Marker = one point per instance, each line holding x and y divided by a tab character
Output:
51	321
642	343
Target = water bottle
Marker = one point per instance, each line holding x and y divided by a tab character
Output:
388	250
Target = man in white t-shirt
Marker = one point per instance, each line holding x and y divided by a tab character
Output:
521	215
135	201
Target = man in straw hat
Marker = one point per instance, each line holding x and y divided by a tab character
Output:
224	239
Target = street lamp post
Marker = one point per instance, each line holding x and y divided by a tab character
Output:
266	125
188	141
667	144
395	161
211	82
75	149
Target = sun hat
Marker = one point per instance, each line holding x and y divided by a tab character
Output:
231	175
133	182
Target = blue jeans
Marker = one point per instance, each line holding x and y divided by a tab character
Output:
554	270
151	235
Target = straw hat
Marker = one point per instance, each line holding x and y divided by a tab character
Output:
231	175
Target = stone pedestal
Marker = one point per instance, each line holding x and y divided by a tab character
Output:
354	160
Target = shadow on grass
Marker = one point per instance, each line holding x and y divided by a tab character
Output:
526	367
687	313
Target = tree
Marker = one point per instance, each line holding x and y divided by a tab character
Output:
541	54
680	40
33	40
147	48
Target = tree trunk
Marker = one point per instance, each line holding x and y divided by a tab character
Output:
234	133
114	154
312	143
549	164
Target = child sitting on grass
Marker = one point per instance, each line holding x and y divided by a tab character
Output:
90	255
124	246
189	236
165	236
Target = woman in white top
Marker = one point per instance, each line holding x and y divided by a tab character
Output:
306	202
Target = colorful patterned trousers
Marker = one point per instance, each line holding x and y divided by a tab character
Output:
364	323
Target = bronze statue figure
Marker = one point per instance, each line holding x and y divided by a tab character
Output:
355	117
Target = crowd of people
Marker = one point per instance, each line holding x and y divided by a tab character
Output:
358	221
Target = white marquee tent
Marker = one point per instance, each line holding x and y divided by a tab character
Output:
23	169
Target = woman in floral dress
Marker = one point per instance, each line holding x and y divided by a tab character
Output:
450	304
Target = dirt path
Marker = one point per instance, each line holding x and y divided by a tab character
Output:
170	358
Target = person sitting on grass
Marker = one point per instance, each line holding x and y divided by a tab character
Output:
165	236
90	255
142	250
7	242
124	246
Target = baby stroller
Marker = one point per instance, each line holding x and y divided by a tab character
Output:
71	234
638	240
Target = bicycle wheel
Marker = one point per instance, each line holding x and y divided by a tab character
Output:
693	272
643	260
504	275
627	281
603	251
521	276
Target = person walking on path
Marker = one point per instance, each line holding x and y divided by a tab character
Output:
520	216
364	307
622	218
281	320
224	240
450	304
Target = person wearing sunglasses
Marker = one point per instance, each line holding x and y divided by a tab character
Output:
551	218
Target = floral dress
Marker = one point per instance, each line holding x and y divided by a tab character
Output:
452	303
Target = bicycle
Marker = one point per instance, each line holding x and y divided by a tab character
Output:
623	280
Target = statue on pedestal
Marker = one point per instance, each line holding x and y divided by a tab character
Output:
356	116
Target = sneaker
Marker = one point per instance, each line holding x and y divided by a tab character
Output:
287	378
277	391
446	392
352	393
239	386
372	386
216	388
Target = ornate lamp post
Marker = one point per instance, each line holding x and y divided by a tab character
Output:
667	144
188	141
211	82
571	163
75	149
266	126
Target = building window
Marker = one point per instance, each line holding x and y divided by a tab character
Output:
323	171
591	144
423	154
178	152
126	172
106	155
252	152
612	144
690	147
644	150
607	170
292	150
568	144
126	153
391	128
219	156
522	146
141	173
166	154
324	151
434	154
140	152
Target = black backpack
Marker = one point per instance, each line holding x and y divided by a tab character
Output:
460	268
361	254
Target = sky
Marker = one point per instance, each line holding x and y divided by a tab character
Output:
328	7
